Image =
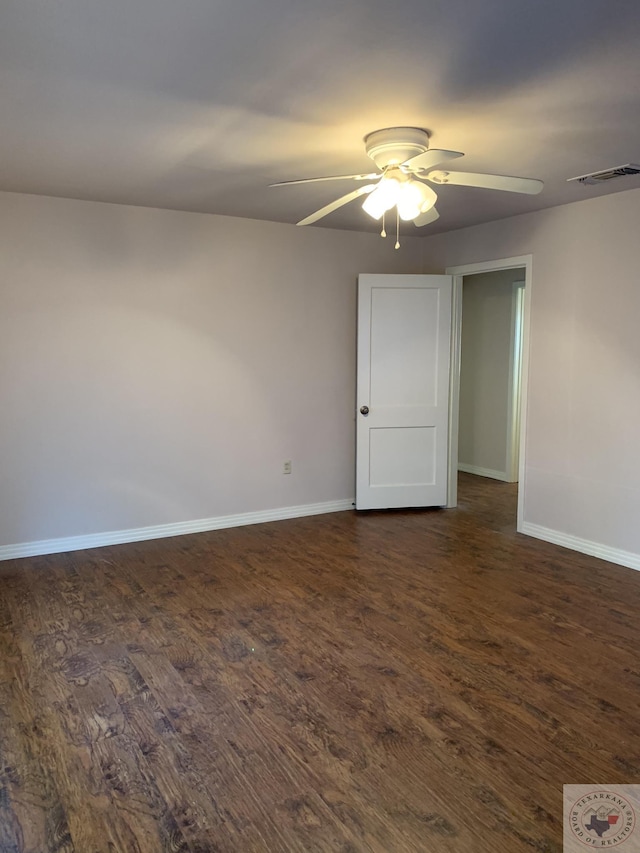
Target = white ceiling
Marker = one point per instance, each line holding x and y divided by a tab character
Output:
200	104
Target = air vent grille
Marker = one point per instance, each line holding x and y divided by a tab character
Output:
608	174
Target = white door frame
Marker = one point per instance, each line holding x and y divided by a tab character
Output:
518	290
458	273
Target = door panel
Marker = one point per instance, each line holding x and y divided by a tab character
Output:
404	331
402	456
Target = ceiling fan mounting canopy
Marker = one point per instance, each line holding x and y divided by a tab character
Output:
394	145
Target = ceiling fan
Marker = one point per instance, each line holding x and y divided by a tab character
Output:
405	162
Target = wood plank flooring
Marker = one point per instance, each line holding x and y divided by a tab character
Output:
387	681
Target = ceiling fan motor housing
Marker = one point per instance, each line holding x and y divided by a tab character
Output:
393	145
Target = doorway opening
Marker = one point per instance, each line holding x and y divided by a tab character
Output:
488	429
490	341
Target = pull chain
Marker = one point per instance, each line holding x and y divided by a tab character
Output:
397	246
383	233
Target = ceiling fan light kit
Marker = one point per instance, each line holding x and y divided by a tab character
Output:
382	198
405	162
409	201
419	198
398	189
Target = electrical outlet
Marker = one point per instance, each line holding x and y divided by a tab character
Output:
286	467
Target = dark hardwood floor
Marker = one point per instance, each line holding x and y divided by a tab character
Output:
387	681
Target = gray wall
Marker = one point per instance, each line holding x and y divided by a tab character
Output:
582	476
159	367
485	375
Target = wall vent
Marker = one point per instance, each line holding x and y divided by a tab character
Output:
608	174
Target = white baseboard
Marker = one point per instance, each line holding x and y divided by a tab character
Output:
161	531
482	472
585	546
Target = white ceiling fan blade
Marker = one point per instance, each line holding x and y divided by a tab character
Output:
329	178
531	186
425	218
431	158
329	208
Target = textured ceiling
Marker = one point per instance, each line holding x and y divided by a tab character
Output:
200	104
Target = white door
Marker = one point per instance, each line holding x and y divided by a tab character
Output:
404	335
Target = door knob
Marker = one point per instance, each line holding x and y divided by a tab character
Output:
364	410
